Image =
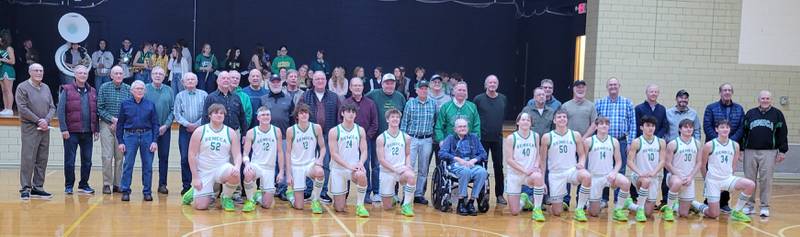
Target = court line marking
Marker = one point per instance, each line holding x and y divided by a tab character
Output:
786	195
80	219
341	224
572	226
780	232
759	230
49	173
312	218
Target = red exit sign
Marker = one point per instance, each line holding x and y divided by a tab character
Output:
581	8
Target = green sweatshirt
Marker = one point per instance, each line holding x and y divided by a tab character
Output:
385	102
282	61
247	106
448	114
201	61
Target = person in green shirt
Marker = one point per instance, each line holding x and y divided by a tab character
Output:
387	98
204	65
161	96
282	60
458	108
247	105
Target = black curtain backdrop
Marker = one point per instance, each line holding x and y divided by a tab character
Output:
450	37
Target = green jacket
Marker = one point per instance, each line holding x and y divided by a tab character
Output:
247	106
282	61
445	121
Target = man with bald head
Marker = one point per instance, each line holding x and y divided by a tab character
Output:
234	115
760	152
324	106
367	117
161	96
254	92
619	110
651	107
35	105
77	119
109	98
492	110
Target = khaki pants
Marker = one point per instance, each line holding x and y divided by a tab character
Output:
112	158
35	150
759	165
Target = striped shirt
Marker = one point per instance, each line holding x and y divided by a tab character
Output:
620	113
109	99
189	106
418	117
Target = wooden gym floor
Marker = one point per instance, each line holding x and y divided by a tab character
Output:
106	215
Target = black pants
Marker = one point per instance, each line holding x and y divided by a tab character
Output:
495	148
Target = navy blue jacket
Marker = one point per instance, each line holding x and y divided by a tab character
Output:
660	113
733	112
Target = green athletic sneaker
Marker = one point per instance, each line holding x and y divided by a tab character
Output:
739	216
361	211
537	215
565	206
640	216
258	196
290	195
620	215
628	202
407	210
316	207
227	204
526	201
669	214
188	197
248	206
580	215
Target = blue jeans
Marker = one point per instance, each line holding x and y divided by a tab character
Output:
143	76
75	140
326	165
99	80
421	159
142	142
163	157
183	146
477	174
372	168
176	83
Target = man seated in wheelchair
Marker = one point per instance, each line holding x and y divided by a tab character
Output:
465	157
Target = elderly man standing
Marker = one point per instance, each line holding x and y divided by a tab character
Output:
234	115
109	98
385	99
367	117
324	106
619	110
541	114
281	106
458	108
35	105
138	129
760	154
188	112
724	109
247	105
77	119
254	92
417	122
492	109
292	88
161	96
464	156
651	107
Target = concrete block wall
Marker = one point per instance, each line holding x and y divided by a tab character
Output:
680	44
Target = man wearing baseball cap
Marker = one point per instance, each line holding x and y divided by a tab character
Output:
385	99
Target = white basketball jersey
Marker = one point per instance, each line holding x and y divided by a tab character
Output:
525	151
720	161
265	146
215	148
394	148
601	156
304	144
348	142
684	158
648	156
561	153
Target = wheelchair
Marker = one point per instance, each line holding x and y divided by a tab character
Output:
445	189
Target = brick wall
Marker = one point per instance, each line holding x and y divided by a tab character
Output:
680	44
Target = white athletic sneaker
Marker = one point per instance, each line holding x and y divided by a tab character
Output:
748	209
7	113
765	212
376	198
